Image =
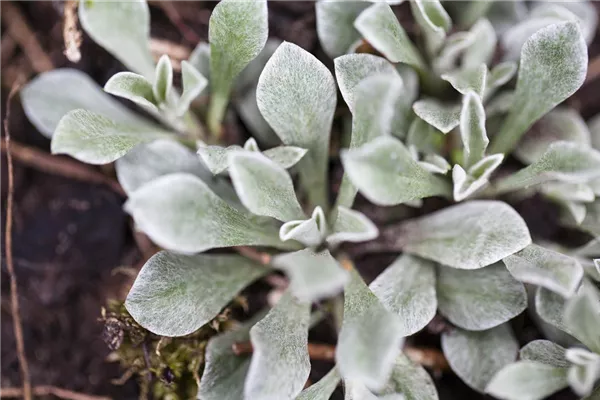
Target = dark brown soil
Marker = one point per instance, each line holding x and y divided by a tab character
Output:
69	236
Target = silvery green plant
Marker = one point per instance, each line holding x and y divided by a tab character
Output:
472	262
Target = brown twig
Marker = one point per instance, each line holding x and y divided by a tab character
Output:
71	35
19	30
60	166
316	351
14	291
7	48
46	390
249	252
593	71
176	52
430	358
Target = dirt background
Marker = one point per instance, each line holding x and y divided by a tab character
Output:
70	235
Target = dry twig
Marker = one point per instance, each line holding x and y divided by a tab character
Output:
249	252
60	166
430	358
593	71
19	30
71	35
176	52
14	291
46	390
171	12
316	351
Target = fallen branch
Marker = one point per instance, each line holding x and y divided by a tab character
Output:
71	35
60	166
14	289
173	15
46	390
429	358
19	30
593	71
254	255
176	52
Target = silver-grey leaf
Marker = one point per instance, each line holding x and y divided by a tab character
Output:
296	95
470	235
465	80
545	352
553	66
410	381
323	389
480	299
351	226
550	307
193	84
121	28
51	95
562	161
407	288
95	139
434	21
482	49
559	124
527	380
232	48
443	117
179	212
370	338
175	295
264	187
477	356
582	316
313	276
335	25
280	365
384	171
472	128
380	27
310	232
550	269
133	87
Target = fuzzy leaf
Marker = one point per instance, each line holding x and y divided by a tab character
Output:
285	156
351	226
264	187
582	316
477	356
193	84
313	276
433	20
584	371
436	164
480	299
454	47
380	27
335	27
498	76
563	161
323	389
95	139
553	66
200	60
559	124
163	80
482	49
545	352
591	223
163	157
384	171
224	371
442	116
133	87
467	236
552	270
121	28
370	338
410	381
296	95
310	232
51	95
174	295
465	80
527	380
472	128
232	48
550	307
467	183
179	212
425	137
407	288
376	104
352	69
280	365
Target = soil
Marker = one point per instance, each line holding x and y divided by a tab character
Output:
70	236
